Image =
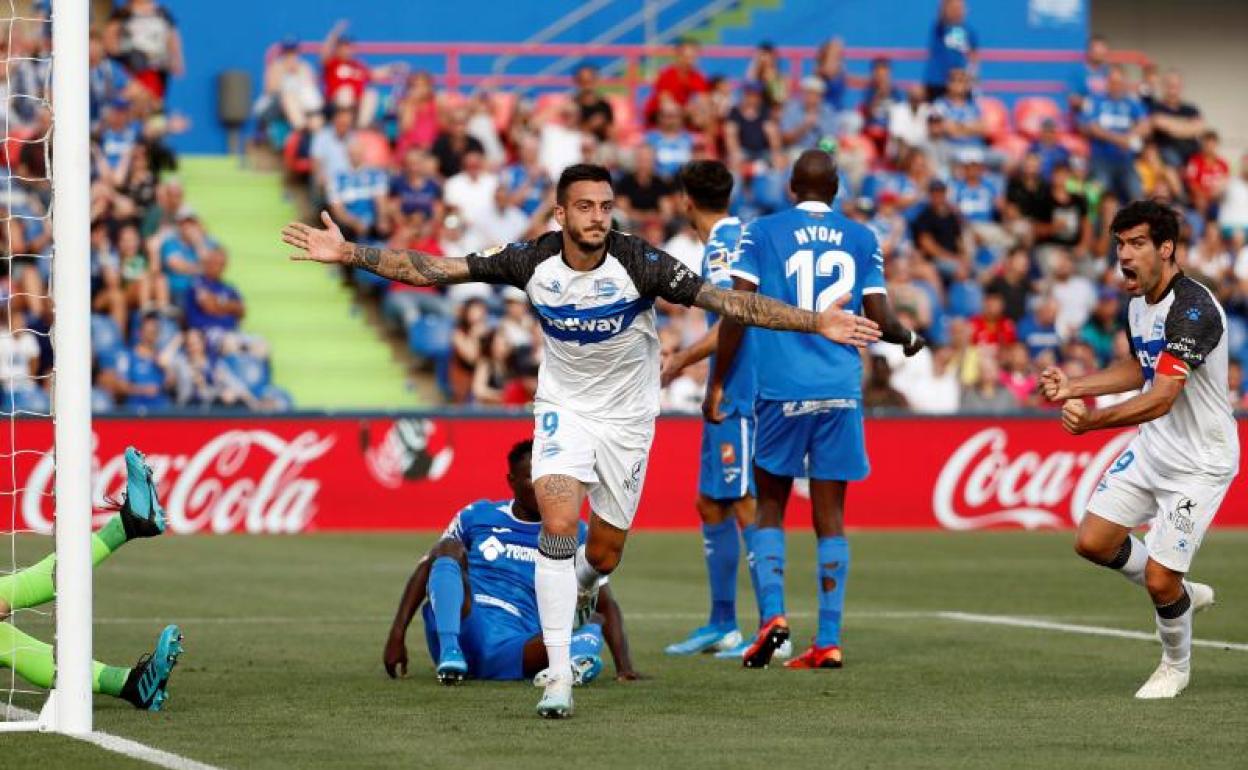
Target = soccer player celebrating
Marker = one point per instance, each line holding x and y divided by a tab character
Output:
809	406
145	685
481	615
1178	467
726	481
598	389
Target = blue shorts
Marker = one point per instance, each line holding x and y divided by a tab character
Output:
823	440
727	471
493	650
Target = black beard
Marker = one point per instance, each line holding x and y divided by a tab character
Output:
586	246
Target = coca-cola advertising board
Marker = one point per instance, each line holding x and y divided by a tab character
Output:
278	475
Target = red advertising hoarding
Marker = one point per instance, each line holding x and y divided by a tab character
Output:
278	475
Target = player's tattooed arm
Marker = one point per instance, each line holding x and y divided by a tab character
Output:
328	245
753	309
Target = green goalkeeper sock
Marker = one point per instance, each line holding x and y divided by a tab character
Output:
32	660
35	585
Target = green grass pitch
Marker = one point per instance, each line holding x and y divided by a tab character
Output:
284	638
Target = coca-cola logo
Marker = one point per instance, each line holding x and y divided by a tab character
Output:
982	486
241	480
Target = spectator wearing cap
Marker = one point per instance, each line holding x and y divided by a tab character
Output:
1177	125
213	306
1207	175
181	252
596	116
678	83
1049	147
357	197
964	121
1104	325
952	46
938	234
117	141
145	36
807	120
1115	125
347	78
1089	77
328	152
291	92
878	100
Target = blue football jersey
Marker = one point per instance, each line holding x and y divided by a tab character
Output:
717	259
808	256
502	550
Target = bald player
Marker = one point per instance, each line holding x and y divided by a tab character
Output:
809	398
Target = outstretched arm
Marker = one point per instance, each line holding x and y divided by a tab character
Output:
404	265
753	309
395	655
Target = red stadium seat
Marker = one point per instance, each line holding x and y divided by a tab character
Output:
548	106
1076	144
290	154
1013	146
503	106
996	117
1031	111
376	148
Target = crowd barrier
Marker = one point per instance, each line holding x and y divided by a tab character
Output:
320	473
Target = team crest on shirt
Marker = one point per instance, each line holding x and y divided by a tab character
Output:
1193	314
605	288
727	453
1181	517
492	548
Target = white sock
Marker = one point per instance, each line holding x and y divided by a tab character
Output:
586	575
1176	632
555	585
1133	570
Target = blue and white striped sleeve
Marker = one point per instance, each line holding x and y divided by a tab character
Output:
745	260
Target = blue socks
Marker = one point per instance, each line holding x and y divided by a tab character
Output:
751	564
446	594
769	565
586	640
833	568
723	551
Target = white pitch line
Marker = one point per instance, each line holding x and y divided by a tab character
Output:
1071	628
125	746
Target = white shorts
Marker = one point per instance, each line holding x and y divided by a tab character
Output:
609	458
1177	511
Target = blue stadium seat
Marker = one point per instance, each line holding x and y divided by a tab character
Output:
105	336
430	336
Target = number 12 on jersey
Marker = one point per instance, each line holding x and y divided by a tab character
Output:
805	266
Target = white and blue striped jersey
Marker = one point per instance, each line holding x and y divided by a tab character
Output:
602	349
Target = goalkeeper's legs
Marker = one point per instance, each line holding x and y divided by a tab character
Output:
144	685
140	516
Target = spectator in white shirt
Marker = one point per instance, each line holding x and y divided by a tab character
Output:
1075	295
472	193
328	151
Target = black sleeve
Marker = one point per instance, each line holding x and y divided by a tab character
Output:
1193	326
655	272
1124	320
512	264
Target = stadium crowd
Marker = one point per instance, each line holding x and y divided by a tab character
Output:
165	321
993	223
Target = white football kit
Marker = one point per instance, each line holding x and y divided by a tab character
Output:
1176	471
598	388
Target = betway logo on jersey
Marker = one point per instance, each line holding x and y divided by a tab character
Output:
492	548
982	485
570	323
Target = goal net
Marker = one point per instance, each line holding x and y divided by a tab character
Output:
45	368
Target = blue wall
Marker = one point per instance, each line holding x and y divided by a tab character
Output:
232	34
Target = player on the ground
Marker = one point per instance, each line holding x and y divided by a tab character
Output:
598	391
145	685
809	406
481	615
725	500
1178	468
